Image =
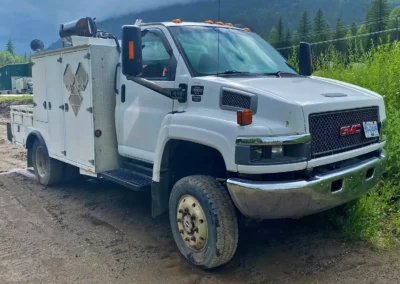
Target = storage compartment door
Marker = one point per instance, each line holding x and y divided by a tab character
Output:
55	98
40	84
79	131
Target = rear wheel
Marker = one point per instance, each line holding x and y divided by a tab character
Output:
48	171
203	221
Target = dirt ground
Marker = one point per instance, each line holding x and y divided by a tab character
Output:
94	231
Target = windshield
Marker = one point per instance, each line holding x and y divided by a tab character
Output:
239	51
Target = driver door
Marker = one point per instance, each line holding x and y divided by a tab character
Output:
141	111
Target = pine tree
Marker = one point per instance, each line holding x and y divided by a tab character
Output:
377	16
10	47
353	29
340	33
288	38
273	36
281	32
305	27
295	38
321	27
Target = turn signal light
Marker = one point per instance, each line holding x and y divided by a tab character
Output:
177	21
219	23
229	24
247	29
209	22
244	117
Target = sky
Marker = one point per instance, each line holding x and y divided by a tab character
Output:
24	20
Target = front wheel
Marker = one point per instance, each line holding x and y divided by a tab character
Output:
48	171
203	221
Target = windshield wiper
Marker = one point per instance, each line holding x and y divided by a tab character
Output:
229	72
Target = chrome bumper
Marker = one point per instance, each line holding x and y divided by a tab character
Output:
295	199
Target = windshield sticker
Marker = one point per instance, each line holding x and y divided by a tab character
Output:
197	90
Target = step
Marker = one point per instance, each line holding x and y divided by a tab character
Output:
139	167
129	178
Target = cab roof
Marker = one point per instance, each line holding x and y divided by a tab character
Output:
172	24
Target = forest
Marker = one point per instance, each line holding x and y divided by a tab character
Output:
8	55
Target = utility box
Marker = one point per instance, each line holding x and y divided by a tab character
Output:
74	102
8	72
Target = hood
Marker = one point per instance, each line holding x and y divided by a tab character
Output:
306	91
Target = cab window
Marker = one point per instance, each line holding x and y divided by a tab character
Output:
156	59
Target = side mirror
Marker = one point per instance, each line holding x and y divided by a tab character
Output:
305	58
132	64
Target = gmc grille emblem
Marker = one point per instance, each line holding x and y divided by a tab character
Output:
349	130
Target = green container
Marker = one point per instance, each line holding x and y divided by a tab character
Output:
13	70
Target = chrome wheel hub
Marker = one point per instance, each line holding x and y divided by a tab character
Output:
192	223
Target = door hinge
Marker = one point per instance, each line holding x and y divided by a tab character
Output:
89	109
87	56
64	153
92	162
59	60
34	104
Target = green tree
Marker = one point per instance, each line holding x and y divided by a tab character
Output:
377	17
305	27
321	27
295	38
394	22
273	36
353	29
363	40
288	38
340	34
10	47
281	32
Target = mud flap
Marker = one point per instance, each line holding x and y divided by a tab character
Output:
9	133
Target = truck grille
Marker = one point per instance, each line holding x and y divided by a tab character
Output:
325	130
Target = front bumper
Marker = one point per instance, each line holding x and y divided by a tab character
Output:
295	199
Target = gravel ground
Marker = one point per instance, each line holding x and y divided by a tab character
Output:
97	232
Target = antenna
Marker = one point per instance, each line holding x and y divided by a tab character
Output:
219	19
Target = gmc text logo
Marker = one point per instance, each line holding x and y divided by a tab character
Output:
349	130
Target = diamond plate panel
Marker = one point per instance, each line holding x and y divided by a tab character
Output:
81	78
75	99
69	77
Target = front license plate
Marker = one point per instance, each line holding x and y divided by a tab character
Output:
371	129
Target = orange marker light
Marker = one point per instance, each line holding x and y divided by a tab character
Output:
219	23
244	117
246	29
209	22
97	133
177	21
228	24
131	49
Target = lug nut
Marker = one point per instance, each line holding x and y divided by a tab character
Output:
187	239
193	217
181	231
179	220
180	211
193	239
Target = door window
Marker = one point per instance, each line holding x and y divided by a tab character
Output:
156	59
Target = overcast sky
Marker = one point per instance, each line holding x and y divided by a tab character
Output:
24	20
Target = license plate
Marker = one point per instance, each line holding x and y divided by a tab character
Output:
371	129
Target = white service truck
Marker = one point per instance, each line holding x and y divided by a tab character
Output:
22	85
209	119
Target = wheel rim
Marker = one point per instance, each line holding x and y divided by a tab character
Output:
192	223
41	161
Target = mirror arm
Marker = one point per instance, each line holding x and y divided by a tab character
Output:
172	93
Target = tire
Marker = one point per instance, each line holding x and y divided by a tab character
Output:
216	238
47	170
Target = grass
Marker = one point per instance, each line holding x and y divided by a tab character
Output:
5	98
375	217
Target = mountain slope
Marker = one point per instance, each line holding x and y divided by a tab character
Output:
259	15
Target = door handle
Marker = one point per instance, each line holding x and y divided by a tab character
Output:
61	107
49	105
123	93
66	107
45	105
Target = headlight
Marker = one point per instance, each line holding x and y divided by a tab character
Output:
383	132
272	150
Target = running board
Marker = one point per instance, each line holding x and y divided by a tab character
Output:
129	178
